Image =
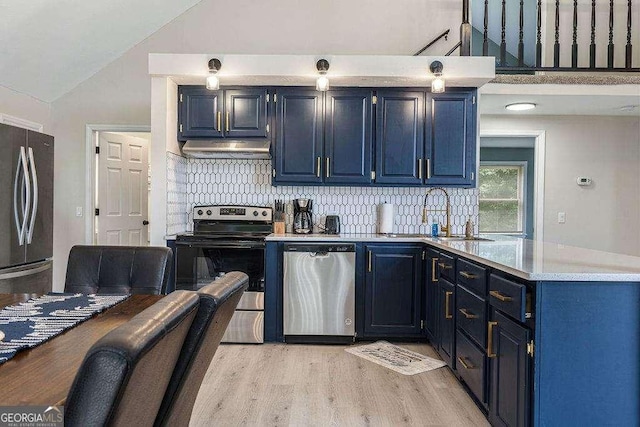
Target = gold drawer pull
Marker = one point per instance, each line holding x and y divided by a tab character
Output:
444	266
369	260
227	122
467	314
468	275
434	278
498	295
447	314
490	326
463	363
219	129
318	160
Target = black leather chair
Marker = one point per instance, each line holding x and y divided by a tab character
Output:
118	270
218	301
125	374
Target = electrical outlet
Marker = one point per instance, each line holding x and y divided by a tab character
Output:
78	210
562	217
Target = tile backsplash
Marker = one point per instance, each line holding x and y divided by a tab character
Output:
248	182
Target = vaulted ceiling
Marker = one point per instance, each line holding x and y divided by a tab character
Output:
50	46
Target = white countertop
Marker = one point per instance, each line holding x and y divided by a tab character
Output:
528	259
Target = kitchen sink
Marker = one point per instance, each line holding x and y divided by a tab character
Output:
407	235
463	238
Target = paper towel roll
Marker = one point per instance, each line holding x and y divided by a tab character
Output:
385	218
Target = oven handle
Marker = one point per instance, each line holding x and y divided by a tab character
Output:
222	245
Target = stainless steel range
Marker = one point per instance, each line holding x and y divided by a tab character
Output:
228	238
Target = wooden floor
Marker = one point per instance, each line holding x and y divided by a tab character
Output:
320	385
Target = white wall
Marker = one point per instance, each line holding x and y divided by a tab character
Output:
606	215
121	92
25	107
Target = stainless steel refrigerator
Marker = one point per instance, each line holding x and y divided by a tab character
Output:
26	210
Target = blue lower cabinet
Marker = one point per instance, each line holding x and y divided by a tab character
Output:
393	291
509	366
431	298
446	321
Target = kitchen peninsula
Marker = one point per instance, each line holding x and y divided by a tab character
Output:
538	332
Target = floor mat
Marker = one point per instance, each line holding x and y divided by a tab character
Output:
396	358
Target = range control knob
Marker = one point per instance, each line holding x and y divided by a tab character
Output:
200	212
209	212
255	213
264	213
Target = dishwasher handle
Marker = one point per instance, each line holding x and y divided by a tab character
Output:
319	248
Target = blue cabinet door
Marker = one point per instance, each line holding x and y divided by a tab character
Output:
446	321
509	384
451	139
348	136
399	137
431	298
298	148
200	113
393	284
245	113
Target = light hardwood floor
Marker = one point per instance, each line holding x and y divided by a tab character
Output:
322	385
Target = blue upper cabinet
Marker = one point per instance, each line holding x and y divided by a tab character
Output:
298	156
245	112
451	139
199	113
399	137
348	136
228	113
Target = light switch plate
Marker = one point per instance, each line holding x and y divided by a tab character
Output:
562	217
78	210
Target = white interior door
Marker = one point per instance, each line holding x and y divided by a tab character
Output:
123	165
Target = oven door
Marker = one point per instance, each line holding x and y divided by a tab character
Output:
200	262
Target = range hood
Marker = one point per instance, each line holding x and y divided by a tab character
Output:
227	149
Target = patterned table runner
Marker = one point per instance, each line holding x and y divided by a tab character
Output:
37	320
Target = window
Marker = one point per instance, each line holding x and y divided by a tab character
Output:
502	198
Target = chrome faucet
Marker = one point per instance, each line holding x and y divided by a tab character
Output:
445	228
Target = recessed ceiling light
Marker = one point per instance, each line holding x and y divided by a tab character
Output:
521	106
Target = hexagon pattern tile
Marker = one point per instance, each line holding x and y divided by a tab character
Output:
248	182
177	207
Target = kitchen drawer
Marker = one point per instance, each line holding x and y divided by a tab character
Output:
447	266
508	297
472	366
473	277
471	315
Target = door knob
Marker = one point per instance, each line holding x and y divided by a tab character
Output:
145	222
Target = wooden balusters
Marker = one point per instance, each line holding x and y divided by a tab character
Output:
628	51
485	35
539	36
503	36
521	36
556	46
592	47
610	48
574	46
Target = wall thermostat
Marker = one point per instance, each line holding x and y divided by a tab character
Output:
584	181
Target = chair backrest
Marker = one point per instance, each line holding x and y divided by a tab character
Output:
124	376
218	301
118	269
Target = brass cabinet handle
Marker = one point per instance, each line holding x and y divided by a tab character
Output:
463	363
318	167
219	121
226	122
467	314
490	326
468	275
447	315
444	266
434	278
369	261
428	168
419	168
327	166
498	295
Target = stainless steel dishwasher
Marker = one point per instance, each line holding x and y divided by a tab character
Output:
319	292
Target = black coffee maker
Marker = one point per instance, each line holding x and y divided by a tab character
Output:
302	216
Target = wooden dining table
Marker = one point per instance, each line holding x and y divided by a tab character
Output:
43	375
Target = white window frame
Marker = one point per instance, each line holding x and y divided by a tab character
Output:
522	194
